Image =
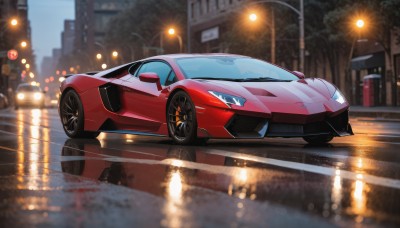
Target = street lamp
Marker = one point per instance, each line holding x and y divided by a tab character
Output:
98	56
24	44
114	54
300	13
23	61
103	66
172	32
253	17
14	22
27	66
359	24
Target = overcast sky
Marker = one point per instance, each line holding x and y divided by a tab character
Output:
47	22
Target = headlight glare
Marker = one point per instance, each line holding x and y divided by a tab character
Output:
229	99
20	96
37	96
338	96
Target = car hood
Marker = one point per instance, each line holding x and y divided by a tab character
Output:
305	91
306	96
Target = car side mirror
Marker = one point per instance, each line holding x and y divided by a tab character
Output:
299	74
150	77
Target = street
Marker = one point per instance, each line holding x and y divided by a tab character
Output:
47	179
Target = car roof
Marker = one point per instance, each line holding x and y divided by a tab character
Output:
178	56
27	85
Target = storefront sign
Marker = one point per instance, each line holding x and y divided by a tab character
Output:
210	34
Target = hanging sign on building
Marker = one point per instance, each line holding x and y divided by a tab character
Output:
210	34
12	54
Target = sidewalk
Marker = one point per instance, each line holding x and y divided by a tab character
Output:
386	112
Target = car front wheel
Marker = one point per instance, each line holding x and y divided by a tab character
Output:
181	117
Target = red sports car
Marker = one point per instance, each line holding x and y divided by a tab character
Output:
195	97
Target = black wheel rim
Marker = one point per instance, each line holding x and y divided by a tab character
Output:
181	117
70	114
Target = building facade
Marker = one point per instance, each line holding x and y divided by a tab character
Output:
91	20
207	21
68	37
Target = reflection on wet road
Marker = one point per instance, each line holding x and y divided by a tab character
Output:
47	178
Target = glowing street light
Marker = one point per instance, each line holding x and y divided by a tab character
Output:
103	66
23	61
253	17
171	31
31	75
114	54
14	22
27	66
98	56
24	44
360	23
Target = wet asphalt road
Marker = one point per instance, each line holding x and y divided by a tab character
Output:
47	179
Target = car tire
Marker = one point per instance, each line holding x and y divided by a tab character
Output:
318	139
181	119
72	116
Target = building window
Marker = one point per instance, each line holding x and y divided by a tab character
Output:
192	10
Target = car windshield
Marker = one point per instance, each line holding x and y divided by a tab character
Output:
28	89
232	68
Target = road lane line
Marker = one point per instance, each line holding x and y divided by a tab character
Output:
327	171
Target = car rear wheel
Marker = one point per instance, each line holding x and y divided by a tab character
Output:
72	116
318	139
181	117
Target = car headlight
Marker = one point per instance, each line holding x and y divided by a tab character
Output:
20	96
37	96
338	96
228	99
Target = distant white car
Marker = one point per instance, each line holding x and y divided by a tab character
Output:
28	95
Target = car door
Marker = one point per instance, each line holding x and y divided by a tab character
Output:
143	102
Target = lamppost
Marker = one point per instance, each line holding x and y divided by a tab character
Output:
299	12
359	25
253	17
13	22
171	31
99	55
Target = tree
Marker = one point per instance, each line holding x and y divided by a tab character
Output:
143	24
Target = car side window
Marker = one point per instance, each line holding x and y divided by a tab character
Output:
163	70
171	78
